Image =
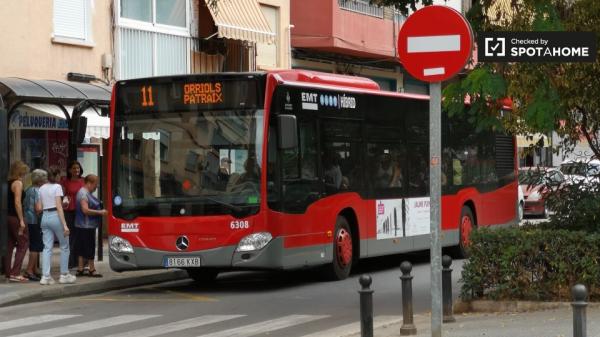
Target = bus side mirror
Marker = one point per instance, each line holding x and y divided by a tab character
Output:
288	132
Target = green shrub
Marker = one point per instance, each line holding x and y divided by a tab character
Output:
531	264
575	204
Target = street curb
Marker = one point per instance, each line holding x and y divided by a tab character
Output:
45	293
488	306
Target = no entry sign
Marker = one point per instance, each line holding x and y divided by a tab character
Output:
435	43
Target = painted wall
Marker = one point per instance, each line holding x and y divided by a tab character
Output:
26	28
267	57
323	25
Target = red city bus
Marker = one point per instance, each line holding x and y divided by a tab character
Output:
289	169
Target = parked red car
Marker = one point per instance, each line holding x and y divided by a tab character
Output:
534	182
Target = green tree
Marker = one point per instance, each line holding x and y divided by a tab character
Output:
562	97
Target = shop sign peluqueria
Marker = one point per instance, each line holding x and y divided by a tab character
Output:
30	120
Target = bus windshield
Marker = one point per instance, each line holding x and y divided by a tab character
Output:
181	160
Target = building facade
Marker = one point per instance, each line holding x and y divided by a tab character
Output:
47	44
349	37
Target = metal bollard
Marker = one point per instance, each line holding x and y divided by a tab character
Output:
366	306
408	327
447	289
579	304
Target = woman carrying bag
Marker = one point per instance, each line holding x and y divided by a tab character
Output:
88	214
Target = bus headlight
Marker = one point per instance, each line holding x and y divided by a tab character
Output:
254	241
120	245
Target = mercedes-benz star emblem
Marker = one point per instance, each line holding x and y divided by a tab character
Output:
182	243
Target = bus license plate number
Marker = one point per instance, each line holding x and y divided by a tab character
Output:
182	262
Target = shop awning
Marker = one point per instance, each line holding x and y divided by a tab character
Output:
241	20
97	126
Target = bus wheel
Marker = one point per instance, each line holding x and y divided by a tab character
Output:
203	275
342	250
466	225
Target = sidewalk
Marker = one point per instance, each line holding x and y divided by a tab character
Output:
548	323
17	293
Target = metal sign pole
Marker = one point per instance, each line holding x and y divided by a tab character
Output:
435	180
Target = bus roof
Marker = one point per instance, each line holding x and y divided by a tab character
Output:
357	84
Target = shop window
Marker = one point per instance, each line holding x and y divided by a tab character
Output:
72	21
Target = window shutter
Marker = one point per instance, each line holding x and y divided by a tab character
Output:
69	19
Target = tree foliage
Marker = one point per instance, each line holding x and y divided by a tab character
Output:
562	97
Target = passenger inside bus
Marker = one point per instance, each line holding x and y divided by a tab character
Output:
332	173
248	179
384	171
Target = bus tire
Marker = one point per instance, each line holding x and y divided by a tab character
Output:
466	225
203	275
343	253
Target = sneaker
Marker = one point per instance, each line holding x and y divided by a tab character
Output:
46	281
67	278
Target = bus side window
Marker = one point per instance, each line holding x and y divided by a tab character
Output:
341	155
418	170
301	186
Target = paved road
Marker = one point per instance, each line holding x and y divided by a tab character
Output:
240	304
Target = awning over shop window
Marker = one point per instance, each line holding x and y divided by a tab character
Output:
51	109
97	126
241	20
532	140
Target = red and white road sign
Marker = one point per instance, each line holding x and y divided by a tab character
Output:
435	43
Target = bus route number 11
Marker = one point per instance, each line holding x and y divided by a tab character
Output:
147	99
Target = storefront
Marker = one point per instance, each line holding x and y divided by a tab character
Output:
46	124
534	150
39	136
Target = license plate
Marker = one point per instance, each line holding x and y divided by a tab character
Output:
182	262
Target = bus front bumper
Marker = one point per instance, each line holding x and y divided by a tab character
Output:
269	257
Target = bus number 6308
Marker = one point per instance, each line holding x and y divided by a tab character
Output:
239	224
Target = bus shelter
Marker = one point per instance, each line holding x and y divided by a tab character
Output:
44	123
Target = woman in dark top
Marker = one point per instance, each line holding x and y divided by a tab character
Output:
17	231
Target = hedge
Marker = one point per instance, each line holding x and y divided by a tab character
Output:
531	264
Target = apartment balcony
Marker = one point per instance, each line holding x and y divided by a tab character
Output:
348	27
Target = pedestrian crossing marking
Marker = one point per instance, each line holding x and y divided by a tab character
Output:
263	327
176	326
353	328
28	321
86	326
266	326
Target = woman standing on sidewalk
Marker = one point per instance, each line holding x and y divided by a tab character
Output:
53	224
71	185
17	231
88	214
36	245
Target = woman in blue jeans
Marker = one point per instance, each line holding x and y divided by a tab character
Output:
53	224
